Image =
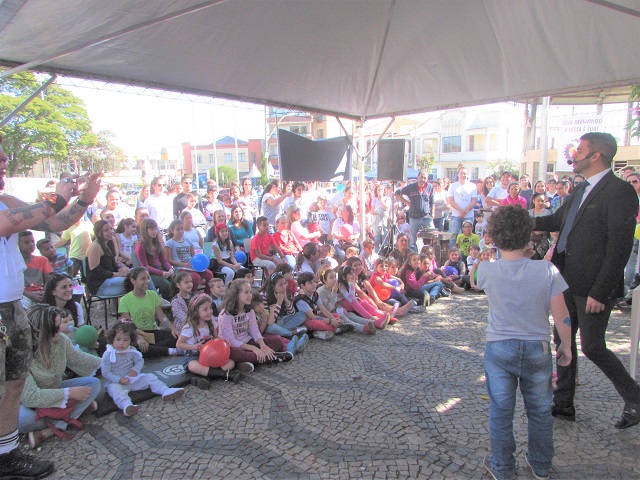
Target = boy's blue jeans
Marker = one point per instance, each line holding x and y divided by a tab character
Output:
507	363
433	288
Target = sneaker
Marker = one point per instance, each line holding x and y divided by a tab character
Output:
174	395
383	322
323	334
433	300
303	343
537	476
393	320
283	357
394	310
131	410
457	289
201	382
245	367
16	464
291	345
487	467
346	327
299	331
39	436
445	292
370	327
234	376
418	309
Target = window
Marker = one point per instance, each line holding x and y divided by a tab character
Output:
254	158
299	129
319	133
451	173
211	159
228	158
476	143
242	157
199	158
452	144
430	145
474	172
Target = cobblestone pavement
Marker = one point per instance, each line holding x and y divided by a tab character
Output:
409	402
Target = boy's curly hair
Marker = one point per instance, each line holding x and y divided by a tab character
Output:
510	227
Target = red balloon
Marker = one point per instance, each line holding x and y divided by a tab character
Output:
215	353
383	293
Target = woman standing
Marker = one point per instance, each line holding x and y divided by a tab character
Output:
248	200
53	353
441	204
271	200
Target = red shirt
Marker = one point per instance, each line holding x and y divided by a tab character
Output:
287	242
261	242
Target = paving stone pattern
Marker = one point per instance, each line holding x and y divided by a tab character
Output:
409	402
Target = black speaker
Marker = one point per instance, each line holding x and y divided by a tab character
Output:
393	157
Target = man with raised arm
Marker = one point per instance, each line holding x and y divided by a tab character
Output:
54	214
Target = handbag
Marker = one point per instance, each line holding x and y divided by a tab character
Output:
49	414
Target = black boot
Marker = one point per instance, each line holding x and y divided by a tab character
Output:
16	464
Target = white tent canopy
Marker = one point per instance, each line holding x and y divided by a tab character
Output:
352	58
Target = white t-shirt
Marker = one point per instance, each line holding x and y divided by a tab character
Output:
203	334
12	267
160	209
498	193
463	195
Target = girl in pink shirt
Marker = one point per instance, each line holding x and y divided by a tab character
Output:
514	197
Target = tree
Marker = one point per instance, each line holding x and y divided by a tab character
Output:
48	126
496	167
226	175
425	161
96	153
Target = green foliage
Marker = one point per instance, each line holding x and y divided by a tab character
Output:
264	179
634	124
425	161
96	153
55	125
496	167
226	175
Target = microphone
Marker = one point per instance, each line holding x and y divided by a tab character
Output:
571	162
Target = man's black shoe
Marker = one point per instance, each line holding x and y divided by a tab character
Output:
17	465
630	416
564	413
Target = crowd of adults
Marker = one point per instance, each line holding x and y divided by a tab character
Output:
296	228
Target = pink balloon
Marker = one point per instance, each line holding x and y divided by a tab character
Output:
346	230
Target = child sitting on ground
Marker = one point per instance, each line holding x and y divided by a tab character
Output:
455	268
121	366
472	278
288	322
518	350
466	239
60	263
380	281
217	294
472	258
423	286
237	324
287	272
348	300
328	294
428	264
296	344
320	321
197	331
368	256
182	290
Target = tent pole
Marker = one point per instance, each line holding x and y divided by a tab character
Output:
215	150
544	153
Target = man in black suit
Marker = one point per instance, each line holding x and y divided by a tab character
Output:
596	226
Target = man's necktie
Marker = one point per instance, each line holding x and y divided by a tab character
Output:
571	216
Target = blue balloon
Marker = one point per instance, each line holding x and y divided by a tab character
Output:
241	257
200	262
394	282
